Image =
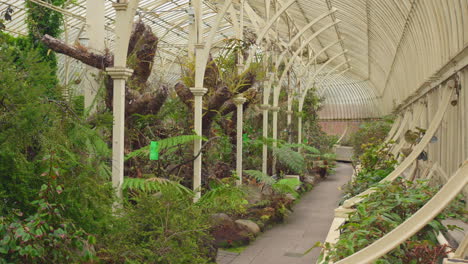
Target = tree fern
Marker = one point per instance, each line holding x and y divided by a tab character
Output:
164	144
260	177
287	186
224	198
306	148
290	158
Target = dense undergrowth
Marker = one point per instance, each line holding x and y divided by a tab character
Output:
57	204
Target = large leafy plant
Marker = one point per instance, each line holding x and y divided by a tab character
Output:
45	236
373	132
376	163
382	211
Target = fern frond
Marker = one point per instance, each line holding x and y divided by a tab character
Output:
260	177
164	144
287	186
155	184
304	147
290	158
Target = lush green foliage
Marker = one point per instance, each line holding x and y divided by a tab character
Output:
224	198
45	236
151	185
282	186
389	206
37	132
42	20
376	163
167	228
165	146
373	132
49	143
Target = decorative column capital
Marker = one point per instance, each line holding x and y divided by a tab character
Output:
199	45
275	109
120	6
264	107
239	100
198	91
119	73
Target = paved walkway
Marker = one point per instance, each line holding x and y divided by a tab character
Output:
309	223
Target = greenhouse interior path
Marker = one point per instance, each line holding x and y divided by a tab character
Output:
308	224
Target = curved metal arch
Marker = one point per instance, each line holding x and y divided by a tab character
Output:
302	31
265	29
322	91
320	52
311	79
202	60
311	60
294	56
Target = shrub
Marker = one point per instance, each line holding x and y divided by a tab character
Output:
166	228
38	132
370	132
376	163
45	236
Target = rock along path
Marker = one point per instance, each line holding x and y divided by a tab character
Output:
309	223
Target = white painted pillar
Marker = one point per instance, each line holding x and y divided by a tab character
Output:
239	101
95	32
289	120
119	76
299	129
265	108
274	110
125	12
198	93
289	112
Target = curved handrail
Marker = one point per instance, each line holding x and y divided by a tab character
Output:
401	127
416	151
343	135
394	128
415	223
416	116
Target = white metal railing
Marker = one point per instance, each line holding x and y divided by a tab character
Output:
342	211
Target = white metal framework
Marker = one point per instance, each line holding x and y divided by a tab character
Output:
368	57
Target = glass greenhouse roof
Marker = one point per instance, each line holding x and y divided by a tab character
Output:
365	38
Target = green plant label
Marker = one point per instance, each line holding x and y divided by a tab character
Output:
154	150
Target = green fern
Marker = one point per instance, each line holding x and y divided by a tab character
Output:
224	198
287	186
260	177
290	158
155	185
304	147
164	144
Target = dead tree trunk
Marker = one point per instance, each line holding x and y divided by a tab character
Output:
142	50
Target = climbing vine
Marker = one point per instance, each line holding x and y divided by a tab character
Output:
40	21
